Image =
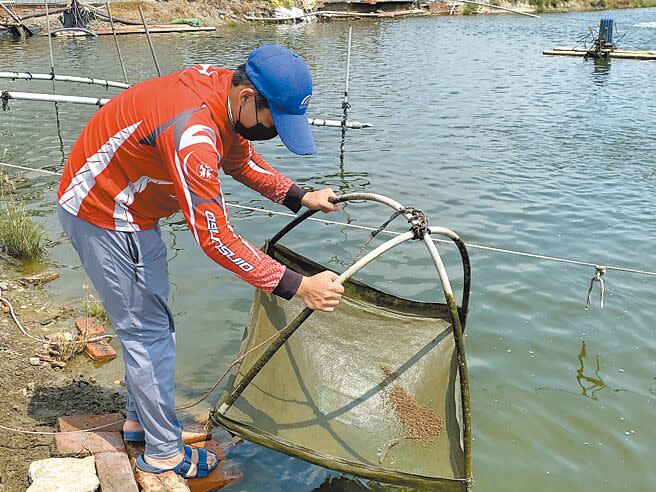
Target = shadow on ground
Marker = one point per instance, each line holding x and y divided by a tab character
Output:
78	397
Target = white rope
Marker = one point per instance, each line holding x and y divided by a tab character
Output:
24	168
12	313
469	245
494	249
45	433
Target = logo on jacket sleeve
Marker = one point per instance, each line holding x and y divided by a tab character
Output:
205	171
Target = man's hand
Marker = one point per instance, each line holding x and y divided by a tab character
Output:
319	200
320	292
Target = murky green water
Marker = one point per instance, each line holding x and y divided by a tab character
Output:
492	139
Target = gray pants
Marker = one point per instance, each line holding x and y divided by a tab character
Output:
129	272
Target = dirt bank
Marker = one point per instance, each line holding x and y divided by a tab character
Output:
552	6
220	12
224	12
32	397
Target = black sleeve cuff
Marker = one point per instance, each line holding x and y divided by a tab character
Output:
293	198
288	284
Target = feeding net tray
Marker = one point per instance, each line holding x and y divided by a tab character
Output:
372	389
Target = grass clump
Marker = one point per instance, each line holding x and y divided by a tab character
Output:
20	235
274	4
470	9
64	346
93	308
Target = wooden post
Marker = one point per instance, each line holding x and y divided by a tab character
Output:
150	43
118	50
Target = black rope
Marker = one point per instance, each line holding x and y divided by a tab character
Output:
374	234
418	225
342	145
5	100
418	222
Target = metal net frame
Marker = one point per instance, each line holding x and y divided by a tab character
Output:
226	416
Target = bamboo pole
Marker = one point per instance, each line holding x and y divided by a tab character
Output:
56	98
150	43
338	124
6	96
62	78
345	103
54	91
52	58
118	50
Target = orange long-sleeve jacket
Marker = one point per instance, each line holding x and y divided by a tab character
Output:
157	148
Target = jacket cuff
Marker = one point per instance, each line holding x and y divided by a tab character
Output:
293	198
288	284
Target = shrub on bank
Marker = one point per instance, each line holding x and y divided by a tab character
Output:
20	235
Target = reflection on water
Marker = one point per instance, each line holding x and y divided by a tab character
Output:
589	384
601	70
592	384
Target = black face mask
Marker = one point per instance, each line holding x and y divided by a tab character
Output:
257	132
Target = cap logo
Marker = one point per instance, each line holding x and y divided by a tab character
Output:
305	102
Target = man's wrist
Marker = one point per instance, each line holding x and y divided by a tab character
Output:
294	197
288	284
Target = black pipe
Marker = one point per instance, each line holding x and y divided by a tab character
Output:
42	14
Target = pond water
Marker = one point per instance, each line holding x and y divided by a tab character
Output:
490	138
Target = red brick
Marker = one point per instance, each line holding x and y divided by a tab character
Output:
115	472
90	327
100	350
85	443
198	431
84	422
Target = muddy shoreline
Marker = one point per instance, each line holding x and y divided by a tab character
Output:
33	396
220	13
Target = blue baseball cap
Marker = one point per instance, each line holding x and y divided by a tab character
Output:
283	78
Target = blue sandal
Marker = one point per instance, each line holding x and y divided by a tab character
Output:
138	436
202	468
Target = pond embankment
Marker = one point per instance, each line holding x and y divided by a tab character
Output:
35	392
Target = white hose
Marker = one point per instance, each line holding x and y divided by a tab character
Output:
12	313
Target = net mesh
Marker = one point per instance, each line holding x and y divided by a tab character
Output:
371	389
